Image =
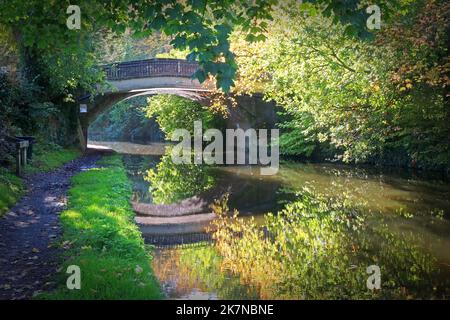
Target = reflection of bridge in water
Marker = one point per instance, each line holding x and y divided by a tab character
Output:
195	239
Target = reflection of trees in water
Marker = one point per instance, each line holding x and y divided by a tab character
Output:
251	193
321	252
183	272
140	191
406	206
247	194
137	167
370	189
320	248
172	182
174	276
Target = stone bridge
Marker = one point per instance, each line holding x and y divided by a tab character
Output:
126	80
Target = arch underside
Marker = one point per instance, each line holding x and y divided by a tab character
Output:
103	102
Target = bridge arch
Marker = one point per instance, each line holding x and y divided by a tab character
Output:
171	76
104	102
143	78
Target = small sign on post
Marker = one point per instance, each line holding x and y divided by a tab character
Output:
83	108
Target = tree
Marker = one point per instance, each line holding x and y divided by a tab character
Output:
8	49
376	101
201	26
173	112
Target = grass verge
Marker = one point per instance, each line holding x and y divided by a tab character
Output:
101	238
11	189
48	158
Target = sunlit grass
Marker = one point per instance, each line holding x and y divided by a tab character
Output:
45	159
103	240
11	188
48	160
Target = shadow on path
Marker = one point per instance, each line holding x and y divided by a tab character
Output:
29	231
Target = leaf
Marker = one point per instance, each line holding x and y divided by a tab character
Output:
198	4
200	75
158	22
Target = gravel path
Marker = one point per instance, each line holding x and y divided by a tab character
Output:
28	256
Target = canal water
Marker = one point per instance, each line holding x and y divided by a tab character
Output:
196	272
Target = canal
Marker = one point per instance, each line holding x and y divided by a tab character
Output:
196	272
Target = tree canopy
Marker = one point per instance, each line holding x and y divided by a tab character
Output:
202	27
199	25
352	99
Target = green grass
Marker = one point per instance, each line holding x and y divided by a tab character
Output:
11	189
103	240
46	160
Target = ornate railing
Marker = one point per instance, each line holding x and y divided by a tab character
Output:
150	68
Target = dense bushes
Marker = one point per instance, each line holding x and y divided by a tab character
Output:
25	109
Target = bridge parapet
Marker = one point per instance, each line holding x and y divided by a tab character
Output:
150	68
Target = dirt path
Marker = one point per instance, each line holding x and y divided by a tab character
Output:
27	258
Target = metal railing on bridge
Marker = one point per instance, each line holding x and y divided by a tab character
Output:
150	68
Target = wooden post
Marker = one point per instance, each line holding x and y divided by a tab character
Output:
21	155
82	131
24	156
18	160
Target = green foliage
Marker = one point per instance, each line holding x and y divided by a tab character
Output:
101	238
173	54
61	62
8	48
320	249
126	121
330	86
174	112
26	109
49	157
205	263
296	138
57	65
13	105
202	27
11	188
172	182
370	101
